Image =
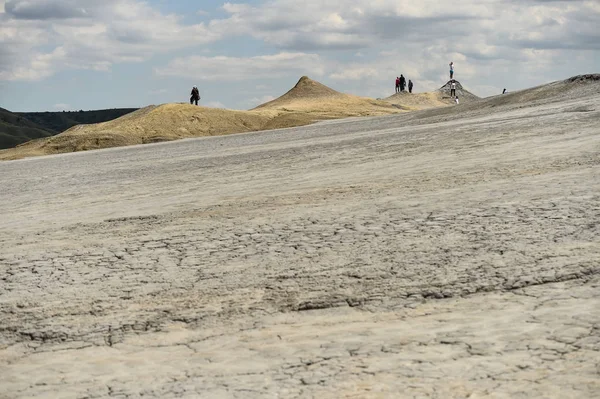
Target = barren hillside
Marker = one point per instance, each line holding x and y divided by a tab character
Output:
307	102
444	253
573	89
148	125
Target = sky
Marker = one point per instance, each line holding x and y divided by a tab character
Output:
93	54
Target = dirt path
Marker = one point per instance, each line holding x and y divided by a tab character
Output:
441	254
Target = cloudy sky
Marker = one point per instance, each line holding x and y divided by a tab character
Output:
92	54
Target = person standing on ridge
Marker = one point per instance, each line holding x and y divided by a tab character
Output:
503	91
410	86
451	69
397	84
195	95
453	88
402	82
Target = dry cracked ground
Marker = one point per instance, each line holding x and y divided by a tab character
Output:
440	254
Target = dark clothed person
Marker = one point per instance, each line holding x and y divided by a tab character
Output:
195	96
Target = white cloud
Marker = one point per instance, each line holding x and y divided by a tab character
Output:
87	34
236	68
494	43
39	65
313	24
356	72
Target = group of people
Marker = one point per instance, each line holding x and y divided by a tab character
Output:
401	84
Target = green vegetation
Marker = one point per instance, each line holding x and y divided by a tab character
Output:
15	130
58	122
19	127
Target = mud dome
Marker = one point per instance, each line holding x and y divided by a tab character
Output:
446	253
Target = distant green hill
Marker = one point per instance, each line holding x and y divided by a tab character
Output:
58	122
15	130
19	127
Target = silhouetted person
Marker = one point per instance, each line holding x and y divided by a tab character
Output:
451	69
397	84
402	82
195	96
503	91
410	86
453	89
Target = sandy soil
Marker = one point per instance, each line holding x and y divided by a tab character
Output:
447	253
419	101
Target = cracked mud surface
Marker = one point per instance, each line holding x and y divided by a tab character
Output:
407	256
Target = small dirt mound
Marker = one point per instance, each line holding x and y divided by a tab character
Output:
306	88
435	99
319	102
463	94
417	101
